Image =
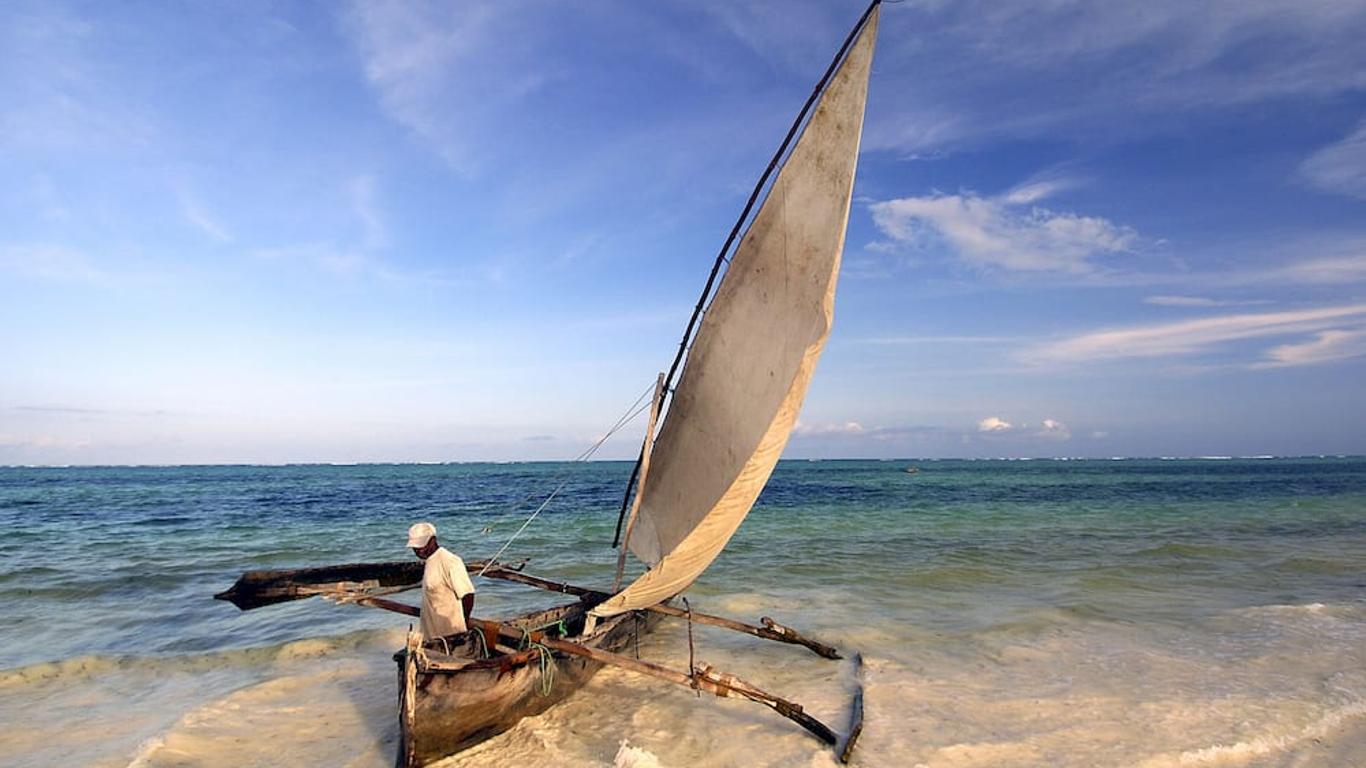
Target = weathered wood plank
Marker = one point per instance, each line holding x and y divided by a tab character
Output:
856	714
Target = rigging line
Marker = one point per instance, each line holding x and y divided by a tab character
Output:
638	408
730	240
630	413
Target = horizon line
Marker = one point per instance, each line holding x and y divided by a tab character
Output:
269	465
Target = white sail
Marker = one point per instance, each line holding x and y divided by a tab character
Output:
752	360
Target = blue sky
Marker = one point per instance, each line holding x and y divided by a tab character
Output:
271	232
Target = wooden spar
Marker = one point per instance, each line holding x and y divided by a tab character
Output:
391	605
640	486
771	630
256	589
856	714
703	679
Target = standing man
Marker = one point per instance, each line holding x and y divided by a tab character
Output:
447	593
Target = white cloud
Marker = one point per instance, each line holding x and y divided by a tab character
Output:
823	430
1190	336
1340	167
1200	301
1049	429
1004	232
994	425
1054	430
1326	347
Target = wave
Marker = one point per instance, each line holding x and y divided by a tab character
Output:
1186	549
95	665
1353	612
1263	746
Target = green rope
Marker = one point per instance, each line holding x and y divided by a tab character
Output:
543	654
558	624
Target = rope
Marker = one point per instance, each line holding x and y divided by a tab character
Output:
631	412
483	644
558	624
692	664
547	662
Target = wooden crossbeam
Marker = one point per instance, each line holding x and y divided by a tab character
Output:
771	630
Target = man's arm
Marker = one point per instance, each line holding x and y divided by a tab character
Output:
467	602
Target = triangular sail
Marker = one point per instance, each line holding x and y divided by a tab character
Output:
753	357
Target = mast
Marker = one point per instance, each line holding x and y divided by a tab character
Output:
756	346
644	474
730	241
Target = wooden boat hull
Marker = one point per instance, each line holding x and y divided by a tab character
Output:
459	699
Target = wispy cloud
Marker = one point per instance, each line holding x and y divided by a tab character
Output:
430	63
49	200
374	234
914	340
350	262
60	93
1326	347
1005	233
1323	270
50	263
1200	301
200	218
1339	167
1038	188
1190	336
61	409
976	70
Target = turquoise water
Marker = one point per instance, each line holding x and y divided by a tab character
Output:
1021	612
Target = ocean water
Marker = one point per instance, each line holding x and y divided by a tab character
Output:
1022	613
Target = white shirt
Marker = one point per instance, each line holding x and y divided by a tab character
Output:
444	582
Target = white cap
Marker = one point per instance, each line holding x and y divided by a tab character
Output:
420	534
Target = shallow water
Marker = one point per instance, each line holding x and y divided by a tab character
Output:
1134	613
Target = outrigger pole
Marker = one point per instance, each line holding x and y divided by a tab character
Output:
771	630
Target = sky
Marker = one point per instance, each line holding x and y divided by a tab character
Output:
339	232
